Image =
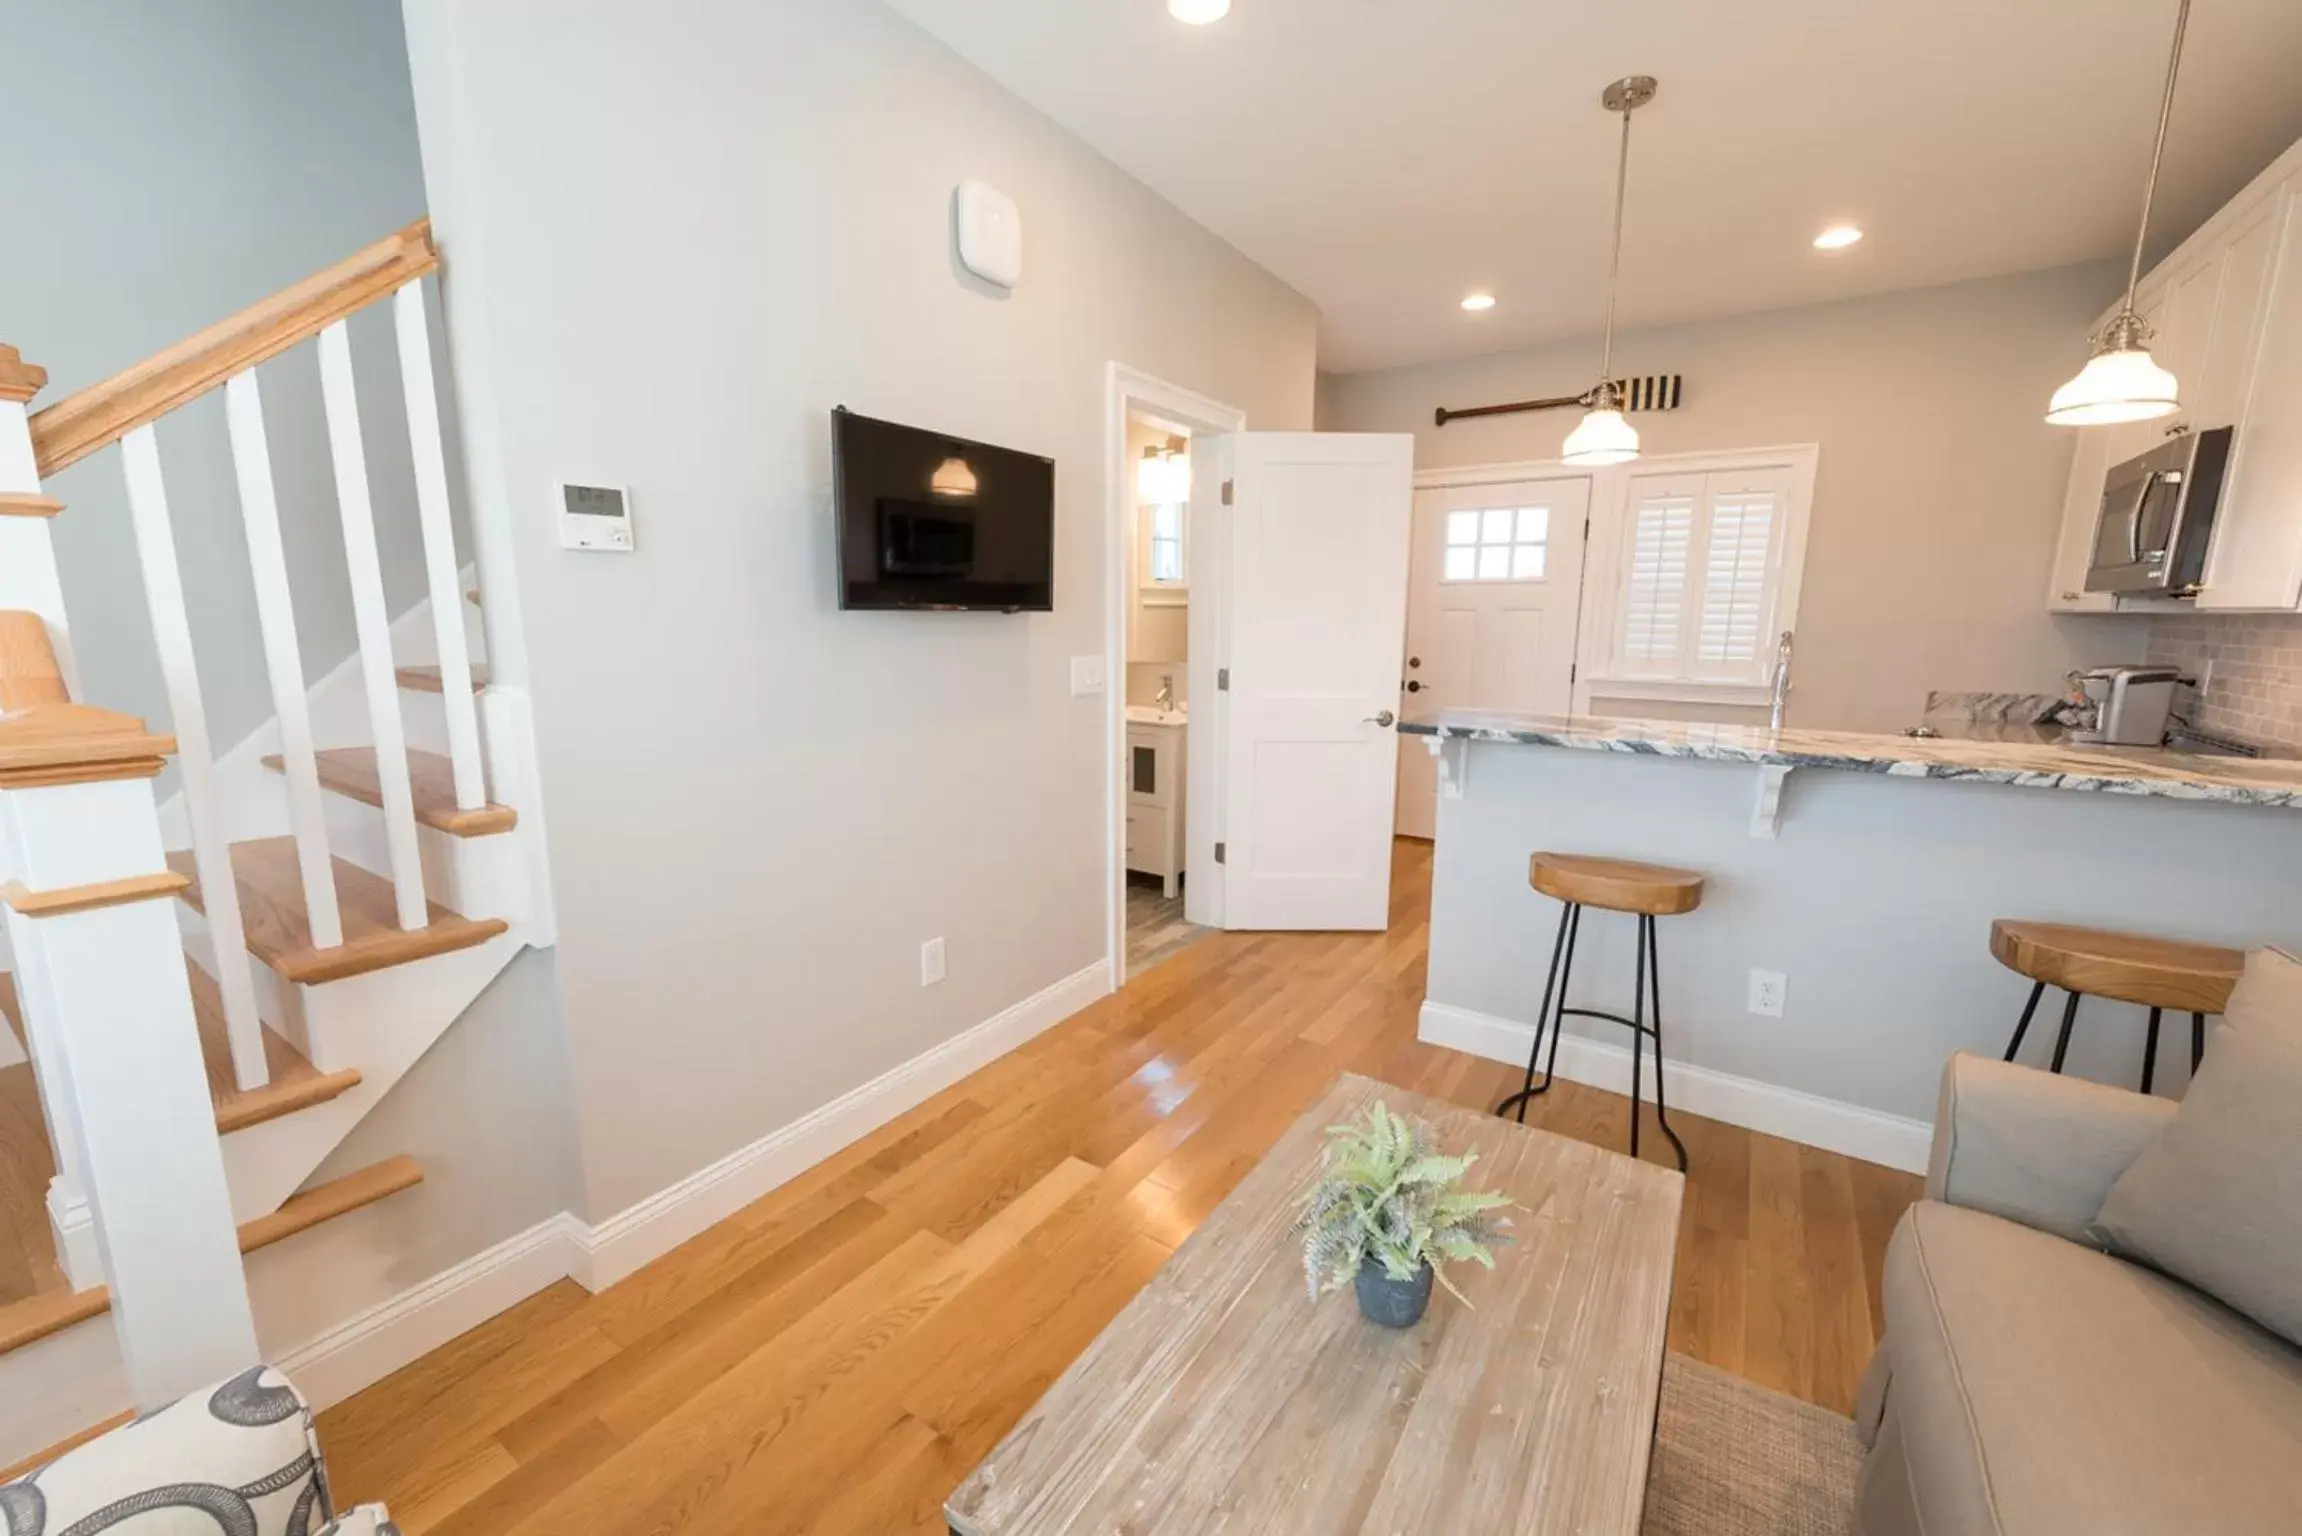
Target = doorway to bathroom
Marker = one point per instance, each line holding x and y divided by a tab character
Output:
1154	683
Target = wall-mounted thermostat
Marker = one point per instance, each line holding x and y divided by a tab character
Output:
595	517
990	233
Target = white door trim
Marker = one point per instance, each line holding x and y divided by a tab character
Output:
1128	389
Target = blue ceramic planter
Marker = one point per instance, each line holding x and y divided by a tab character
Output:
1392	1303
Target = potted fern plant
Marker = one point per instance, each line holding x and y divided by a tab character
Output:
1388	1215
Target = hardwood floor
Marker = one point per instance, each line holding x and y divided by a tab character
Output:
838	1356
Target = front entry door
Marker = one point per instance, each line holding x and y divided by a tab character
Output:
1493	602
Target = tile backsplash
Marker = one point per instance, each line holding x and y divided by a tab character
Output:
2255	692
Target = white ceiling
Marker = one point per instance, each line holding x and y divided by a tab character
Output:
1387	156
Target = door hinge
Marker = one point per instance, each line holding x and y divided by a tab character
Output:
1574	670
1221	850
1222	679
1226	493
1586	525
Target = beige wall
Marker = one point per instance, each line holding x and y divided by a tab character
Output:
1940	487
679	234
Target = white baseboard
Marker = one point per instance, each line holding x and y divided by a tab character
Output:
1869	1134
365	1349
630	1238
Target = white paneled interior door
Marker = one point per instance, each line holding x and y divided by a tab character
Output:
1317	606
1492	608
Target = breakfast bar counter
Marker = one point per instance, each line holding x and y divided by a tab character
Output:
1857	877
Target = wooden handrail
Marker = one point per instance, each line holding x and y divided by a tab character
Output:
78	425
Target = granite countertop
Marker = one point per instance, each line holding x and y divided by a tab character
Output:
2024	756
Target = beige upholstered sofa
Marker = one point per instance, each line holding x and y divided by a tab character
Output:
2031	1383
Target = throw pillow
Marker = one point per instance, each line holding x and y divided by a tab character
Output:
2216	1198
2268	993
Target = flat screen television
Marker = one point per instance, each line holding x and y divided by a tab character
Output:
932	521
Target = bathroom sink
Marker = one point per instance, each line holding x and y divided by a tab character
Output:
1146	714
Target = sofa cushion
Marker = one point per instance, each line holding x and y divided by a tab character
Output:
2040	1386
2216	1197
2269	991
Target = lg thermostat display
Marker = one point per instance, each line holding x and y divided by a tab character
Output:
595	517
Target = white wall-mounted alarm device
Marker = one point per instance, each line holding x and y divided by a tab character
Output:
990	233
594	517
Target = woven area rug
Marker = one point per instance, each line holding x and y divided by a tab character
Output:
1735	1459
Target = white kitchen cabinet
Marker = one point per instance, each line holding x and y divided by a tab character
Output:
2256	558
2226	308
1156	773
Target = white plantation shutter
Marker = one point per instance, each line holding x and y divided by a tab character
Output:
1655	589
1702	576
1738	580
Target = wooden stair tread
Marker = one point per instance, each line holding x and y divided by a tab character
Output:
279	930
296	1083
428	679
36	1317
352	771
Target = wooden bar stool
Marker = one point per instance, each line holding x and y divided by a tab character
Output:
2158	974
1612	885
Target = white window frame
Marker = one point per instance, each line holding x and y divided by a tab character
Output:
1599	674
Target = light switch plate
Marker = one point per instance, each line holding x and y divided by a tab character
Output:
931	962
1087	676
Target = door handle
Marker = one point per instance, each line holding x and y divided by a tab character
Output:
1383	718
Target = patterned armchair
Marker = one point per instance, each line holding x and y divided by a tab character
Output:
237	1460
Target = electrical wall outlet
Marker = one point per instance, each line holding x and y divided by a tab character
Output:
931	962
1766	993
1087	675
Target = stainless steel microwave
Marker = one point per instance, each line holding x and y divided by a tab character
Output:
2158	518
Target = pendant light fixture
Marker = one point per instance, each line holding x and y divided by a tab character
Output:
1604	436
2121	381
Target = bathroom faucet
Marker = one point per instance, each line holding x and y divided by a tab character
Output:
1165	702
1781	682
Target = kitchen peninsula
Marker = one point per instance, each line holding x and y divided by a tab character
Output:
1864	869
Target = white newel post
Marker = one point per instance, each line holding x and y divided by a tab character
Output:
88	903
29	584
27	558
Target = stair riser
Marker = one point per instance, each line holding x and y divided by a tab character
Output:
59	1385
278	1003
383	1023
477	876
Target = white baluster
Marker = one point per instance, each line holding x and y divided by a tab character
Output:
211	848
276	614
439	545
373	621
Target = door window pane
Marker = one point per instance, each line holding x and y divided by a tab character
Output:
1498	544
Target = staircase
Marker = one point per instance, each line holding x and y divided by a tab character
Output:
343	885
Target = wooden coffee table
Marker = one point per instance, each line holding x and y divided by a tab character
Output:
1222	1399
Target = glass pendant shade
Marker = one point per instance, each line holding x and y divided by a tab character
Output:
1604	437
2120	383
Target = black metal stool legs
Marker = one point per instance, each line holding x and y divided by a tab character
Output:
1655	985
2197	1041
2062	1041
1553	1016
2023	1028
2150	1052
1554	985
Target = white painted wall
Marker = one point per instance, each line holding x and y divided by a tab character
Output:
1940	490
190	159
678	236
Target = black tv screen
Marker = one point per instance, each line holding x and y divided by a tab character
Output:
928	520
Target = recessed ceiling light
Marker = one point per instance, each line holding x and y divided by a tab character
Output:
1198	12
1837	238
1477	302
